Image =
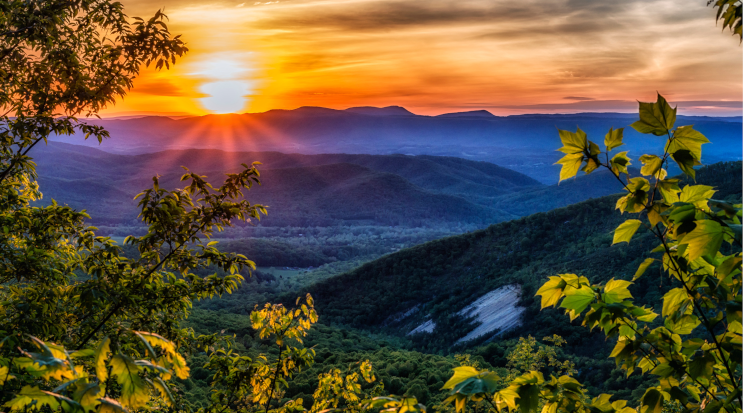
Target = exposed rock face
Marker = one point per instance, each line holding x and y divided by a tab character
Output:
426	327
496	310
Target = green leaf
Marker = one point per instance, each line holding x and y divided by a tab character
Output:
696	193
651	164
613	139
101	354
643	267
701	367
663	370
705	239
578	299
683	325
657	118
686	138
134	390
626	230
616	291
110	406
673	300
669	189
528	401
686	162
619	163
89	396
551	291
570	165
573	142
638	195
461	374
651	402
33	397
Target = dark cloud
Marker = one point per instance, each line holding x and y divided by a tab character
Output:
575	16
577	98
158	88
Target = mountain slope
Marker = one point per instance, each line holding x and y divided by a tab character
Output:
440	278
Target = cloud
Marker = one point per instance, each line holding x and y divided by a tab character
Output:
434	55
160	87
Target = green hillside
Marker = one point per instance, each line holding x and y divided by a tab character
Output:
444	276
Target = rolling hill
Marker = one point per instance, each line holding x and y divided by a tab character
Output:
300	190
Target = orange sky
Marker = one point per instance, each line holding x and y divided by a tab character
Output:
436	56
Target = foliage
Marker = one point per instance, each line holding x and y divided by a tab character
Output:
730	12
695	349
83	327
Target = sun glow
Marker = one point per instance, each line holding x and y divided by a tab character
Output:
226	96
223	81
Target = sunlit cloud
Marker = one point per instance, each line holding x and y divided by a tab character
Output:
434	56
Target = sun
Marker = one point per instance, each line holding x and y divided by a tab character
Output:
226	96
224	83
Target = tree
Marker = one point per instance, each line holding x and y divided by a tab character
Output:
81	326
731	13
694	347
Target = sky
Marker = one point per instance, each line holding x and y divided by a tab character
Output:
439	56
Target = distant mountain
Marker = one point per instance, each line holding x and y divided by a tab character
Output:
469	114
524	143
301	190
386	111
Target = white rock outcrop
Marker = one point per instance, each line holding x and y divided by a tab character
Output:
496	310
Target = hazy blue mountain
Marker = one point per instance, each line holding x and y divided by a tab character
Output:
468	114
301	190
524	143
386	111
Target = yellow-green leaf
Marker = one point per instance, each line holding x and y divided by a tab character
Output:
570	165
620	162
643	267
134	390
686	138
651	164
110	406
657	118
626	230
577	299
613	139
551	291
616	291
573	142
652	402
101	354
673	300
461	374
705	239
5	375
